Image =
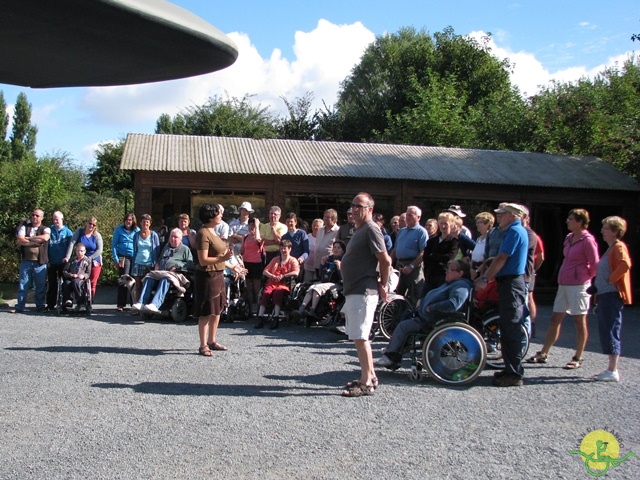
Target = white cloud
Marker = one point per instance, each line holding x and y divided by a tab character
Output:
323	58
529	74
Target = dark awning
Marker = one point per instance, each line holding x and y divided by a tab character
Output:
65	43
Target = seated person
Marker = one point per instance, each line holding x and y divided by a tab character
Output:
279	269
175	256
448	297
75	274
330	280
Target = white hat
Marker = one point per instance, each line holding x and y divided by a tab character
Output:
510	208
457	210
246	206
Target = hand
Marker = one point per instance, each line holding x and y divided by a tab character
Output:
480	284
338	263
382	291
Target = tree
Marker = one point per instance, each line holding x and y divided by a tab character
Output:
5	146
106	176
23	136
399	72
230	117
599	117
301	123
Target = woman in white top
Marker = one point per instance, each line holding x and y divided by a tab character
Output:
484	223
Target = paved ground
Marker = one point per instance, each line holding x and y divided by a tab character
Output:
111	396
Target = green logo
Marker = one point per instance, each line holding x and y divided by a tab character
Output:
600	451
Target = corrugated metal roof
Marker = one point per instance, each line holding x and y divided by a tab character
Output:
187	153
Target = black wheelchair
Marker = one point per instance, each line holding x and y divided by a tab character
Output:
84	301
237	306
178	305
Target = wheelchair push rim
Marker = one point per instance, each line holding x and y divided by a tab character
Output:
454	354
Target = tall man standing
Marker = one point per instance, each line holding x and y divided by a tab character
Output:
408	253
272	233
508	268
58	243
33	239
361	288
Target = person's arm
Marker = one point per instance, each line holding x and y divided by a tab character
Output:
457	297
620	263
592	256
98	251
537	263
305	247
384	261
496	265
72	243
114	246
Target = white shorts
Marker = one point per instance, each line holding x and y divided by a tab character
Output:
572	299
359	311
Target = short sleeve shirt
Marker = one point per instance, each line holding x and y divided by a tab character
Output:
359	263
206	240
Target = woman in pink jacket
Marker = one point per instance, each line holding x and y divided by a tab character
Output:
578	268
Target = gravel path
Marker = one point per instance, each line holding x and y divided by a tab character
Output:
111	396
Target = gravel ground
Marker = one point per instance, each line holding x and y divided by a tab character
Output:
113	397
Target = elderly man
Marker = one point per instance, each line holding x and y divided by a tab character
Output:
222	229
174	256
33	239
58	243
346	231
448	297
508	269
240	227
407	255
325	238
362	287
272	233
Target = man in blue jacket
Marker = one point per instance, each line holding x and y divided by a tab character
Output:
58	244
449	297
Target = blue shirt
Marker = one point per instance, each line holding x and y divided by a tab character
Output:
515	244
58	243
122	242
410	242
299	243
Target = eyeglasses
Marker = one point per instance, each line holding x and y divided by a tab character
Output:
35	215
353	205
452	270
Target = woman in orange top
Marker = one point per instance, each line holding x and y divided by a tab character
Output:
613	283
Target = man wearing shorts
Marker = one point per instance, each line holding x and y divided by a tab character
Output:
362	287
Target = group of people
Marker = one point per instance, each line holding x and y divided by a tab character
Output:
47	255
504	258
438	266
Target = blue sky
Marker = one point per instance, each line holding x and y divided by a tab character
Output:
290	47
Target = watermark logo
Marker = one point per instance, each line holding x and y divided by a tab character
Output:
600	451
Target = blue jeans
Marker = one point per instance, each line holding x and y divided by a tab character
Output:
31	270
161	286
610	322
400	334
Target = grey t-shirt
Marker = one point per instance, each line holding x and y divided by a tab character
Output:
359	263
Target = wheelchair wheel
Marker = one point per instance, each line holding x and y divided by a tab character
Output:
390	314
491	334
179	310
454	354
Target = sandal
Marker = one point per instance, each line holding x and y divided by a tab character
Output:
358	390
539	357
217	346
374	383
205	352
574	363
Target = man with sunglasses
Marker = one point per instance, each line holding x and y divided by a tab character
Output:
362	286
33	239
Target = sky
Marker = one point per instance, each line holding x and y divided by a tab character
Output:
288	48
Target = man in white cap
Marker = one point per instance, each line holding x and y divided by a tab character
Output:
457	211
240	227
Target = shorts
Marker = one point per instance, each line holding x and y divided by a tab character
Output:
210	293
359	311
572	299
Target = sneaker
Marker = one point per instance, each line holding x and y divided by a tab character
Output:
607	376
41	309
68	304
136	307
151	308
385	362
508	380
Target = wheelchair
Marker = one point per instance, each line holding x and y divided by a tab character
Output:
178	305
487	323
288	303
237	306
387	316
452	351
86	301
